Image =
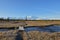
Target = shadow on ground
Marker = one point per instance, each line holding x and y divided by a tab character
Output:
19	36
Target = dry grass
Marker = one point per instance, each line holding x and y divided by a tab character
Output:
29	23
42	22
36	35
32	35
8	35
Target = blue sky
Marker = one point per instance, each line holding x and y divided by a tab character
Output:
23	8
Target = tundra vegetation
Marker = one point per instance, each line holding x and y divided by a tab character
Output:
32	35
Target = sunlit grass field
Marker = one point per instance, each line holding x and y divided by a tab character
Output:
32	35
29	23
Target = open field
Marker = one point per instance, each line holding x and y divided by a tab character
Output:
32	35
8	35
28	23
43	22
36	35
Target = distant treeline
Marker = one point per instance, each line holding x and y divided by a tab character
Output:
8	19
